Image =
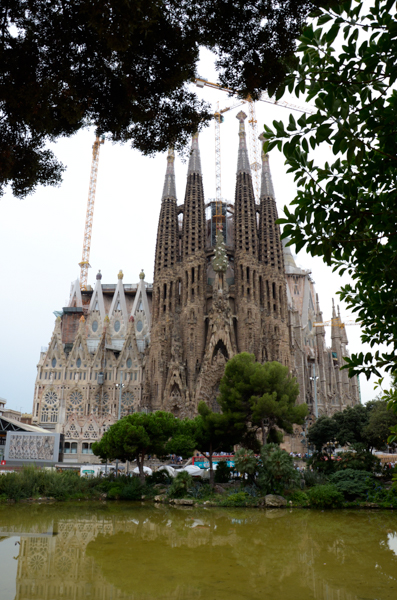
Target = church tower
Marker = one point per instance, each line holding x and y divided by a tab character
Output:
193	268
275	338
246	252
165	287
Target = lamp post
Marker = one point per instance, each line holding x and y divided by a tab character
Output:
120	386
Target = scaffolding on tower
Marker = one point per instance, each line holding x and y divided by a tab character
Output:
85	260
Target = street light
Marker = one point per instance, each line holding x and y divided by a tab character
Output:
120	386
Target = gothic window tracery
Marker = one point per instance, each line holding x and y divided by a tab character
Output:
127	403
75	404
100	404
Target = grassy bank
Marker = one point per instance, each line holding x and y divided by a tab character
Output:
349	490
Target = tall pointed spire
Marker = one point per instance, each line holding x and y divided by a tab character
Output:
169	190
245	231
194	160
243	163
167	246
193	232
271	251
266	182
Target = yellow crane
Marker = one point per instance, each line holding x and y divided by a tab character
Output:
89	217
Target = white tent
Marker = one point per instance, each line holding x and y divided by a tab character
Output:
192	470
146	470
169	470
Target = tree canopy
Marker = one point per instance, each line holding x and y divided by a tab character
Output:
123	66
137	435
260	397
366	426
345	209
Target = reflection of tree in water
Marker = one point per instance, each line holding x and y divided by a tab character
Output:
143	553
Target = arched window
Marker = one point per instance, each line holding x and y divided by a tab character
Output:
74	448
66	448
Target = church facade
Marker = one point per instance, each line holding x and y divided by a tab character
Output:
223	284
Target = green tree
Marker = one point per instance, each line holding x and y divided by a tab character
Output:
351	424
135	436
277	470
213	432
260	397
324	430
381	421
345	209
246	462
124	67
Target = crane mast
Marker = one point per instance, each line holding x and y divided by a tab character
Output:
85	260
253	136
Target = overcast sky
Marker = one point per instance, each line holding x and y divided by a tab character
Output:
42	236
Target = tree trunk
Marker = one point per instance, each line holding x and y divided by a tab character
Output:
264	436
140	467
212	478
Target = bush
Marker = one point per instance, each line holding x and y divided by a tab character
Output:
222	472
158	477
325	496
200	491
314	478
132	490
114	493
299	498
276	470
322	462
352	483
180	485
385	497
235	499
359	461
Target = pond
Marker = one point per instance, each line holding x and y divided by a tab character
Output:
115	551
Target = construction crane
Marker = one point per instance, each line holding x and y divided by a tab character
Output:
336	322
253	131
85	261
218	116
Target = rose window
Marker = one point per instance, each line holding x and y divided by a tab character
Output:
76	398
50	398
127	403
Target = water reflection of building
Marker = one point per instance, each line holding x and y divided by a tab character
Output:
69	560
55	566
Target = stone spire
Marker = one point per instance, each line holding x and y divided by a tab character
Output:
245	231
193	232
266	181
271	251
243	164
194	160
167	245
169	190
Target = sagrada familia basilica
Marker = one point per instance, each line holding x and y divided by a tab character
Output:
223	283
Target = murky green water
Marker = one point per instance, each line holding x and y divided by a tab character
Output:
135	552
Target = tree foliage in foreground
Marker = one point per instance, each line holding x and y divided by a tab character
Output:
345	208
260	397
135	436
124	67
